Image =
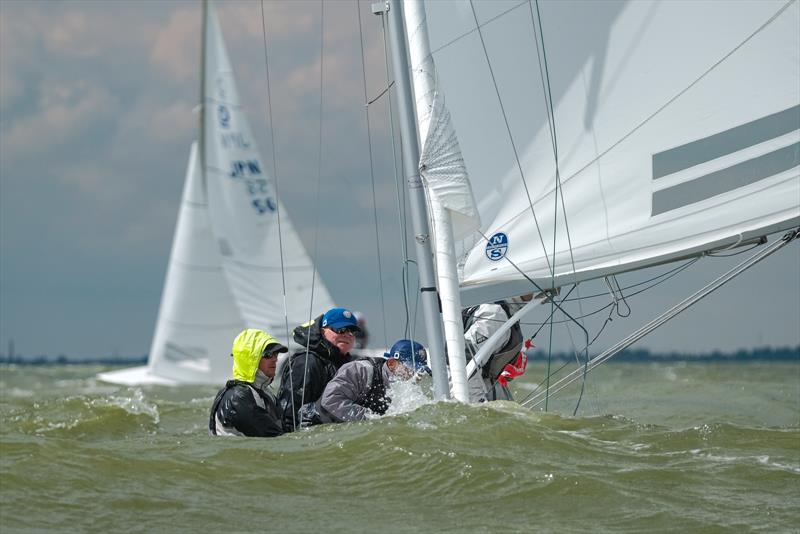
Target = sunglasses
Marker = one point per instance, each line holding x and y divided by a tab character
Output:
346	331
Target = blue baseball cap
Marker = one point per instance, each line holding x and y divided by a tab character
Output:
338	318
416	360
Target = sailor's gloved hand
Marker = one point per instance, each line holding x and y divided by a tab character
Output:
513	370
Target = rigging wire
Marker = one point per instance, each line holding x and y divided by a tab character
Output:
664	277
274	166
399	190
317	199
510	137
647	119
675	310
550	266
372	174
473	30
685	89
544	73
316	204
380	95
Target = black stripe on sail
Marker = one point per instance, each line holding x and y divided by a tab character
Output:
722	181
727	142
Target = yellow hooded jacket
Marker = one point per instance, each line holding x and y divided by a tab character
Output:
247	350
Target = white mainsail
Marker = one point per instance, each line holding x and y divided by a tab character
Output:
244	210
675	126
225	269
198	317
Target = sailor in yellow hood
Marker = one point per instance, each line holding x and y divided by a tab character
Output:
246	405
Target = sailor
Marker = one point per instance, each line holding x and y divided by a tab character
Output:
480	322
246	405
325	345
360	387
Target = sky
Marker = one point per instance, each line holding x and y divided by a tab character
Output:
97	114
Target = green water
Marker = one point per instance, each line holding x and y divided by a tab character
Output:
653	448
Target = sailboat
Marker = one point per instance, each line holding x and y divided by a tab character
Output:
235	253
545	145
600	138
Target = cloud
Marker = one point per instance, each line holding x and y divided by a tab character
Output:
176	47
64	113
284	20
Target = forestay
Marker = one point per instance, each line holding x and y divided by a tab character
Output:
674	126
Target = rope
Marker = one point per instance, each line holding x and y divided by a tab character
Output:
663	278
544	75
372	173
510	137
535	399
316	209
274	166
399	190
277	193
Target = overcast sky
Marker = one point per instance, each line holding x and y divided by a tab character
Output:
96	120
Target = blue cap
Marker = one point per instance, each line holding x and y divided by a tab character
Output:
337	318
416	360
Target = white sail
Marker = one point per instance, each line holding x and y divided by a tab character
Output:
675	123
224	271
245	211
198	317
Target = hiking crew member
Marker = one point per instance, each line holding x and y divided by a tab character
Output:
246	405
325	346
360	387
480	322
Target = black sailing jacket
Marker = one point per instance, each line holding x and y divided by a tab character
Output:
321	364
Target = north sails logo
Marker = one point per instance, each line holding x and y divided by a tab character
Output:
497	246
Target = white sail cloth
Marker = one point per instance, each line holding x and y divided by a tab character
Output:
245	211
674	126
225	271
198	317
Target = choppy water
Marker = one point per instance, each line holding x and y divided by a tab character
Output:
654	448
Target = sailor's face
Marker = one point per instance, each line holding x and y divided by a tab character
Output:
343	340
403	371
267	365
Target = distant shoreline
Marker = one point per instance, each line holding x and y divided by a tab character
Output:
786	354
767	354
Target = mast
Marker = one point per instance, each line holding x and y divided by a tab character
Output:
422	244
424	83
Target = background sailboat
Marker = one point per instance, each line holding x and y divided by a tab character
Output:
235	252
